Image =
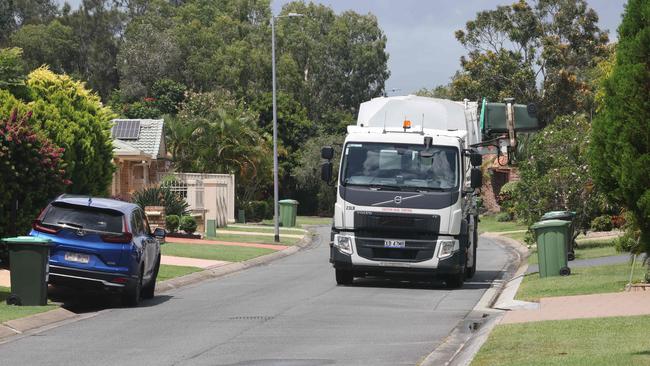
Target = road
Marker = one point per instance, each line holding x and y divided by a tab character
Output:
287	313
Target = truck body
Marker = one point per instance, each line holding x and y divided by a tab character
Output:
406	199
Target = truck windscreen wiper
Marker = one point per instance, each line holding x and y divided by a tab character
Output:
384	187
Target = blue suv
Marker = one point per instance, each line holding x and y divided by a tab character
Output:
103	243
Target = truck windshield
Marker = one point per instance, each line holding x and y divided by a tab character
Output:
399	166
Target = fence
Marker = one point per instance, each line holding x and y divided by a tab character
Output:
213	195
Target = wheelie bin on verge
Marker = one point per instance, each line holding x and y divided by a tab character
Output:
288	212
566	216
28	264
551	247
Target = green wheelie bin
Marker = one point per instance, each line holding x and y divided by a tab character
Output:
28	264
566	216
288	212
551	236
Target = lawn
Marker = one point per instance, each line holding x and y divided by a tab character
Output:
583	252
262	229
9	312
166	271
490	224
307	220
262	239
216	252
582	281
588	342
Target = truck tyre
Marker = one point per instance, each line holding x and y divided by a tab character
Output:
471	271
455	280
344	277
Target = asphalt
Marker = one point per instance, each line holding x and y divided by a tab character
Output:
286	313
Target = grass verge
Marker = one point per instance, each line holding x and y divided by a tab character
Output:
166	271
10	312
215	252
307	220
582	281
489	223
588	342
583	253
262	239
262	229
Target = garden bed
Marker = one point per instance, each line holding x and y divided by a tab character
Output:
184	236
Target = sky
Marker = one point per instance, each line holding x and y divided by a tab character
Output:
422	49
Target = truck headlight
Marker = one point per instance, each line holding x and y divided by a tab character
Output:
447	248
343	244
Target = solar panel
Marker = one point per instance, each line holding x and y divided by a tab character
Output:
126	130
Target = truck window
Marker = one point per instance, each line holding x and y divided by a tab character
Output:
400	165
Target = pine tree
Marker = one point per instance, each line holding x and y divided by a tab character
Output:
620	149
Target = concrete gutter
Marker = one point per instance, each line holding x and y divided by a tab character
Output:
22	327
462	344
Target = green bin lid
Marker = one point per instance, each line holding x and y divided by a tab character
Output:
289	201
549	223
33	240
558	214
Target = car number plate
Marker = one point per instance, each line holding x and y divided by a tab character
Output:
77	257
394	243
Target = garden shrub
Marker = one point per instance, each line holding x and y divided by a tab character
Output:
32	172
602	223
173	203
172	222
503	217
188	224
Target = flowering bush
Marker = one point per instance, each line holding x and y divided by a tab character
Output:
32	172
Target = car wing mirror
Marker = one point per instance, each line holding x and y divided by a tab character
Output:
160	234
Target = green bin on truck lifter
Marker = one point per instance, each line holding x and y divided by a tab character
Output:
28	264
566	216
288	212
551	236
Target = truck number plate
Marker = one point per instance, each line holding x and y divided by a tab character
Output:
394	243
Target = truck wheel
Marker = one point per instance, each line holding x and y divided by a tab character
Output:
344	277
455	281
471	271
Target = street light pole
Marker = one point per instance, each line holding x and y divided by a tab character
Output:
276	213
276	223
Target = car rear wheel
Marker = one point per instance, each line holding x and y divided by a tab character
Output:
149	290
131	295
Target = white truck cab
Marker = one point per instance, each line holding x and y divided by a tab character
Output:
406	198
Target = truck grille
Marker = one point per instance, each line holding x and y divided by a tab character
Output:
414	250
384	221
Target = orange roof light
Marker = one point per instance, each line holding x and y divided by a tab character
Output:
407	124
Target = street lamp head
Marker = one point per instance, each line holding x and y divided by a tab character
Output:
295	15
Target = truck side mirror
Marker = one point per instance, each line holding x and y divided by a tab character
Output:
475	159
327	152
326	172
476	178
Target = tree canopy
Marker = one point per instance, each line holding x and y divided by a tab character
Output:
620	149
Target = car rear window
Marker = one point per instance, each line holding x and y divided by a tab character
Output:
87	218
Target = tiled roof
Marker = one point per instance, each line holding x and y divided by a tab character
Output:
150	138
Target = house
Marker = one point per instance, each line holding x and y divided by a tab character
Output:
139	155
500	173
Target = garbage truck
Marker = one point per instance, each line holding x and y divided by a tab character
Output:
407	190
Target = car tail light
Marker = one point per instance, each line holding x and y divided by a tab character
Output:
117	238
38	226
120	280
